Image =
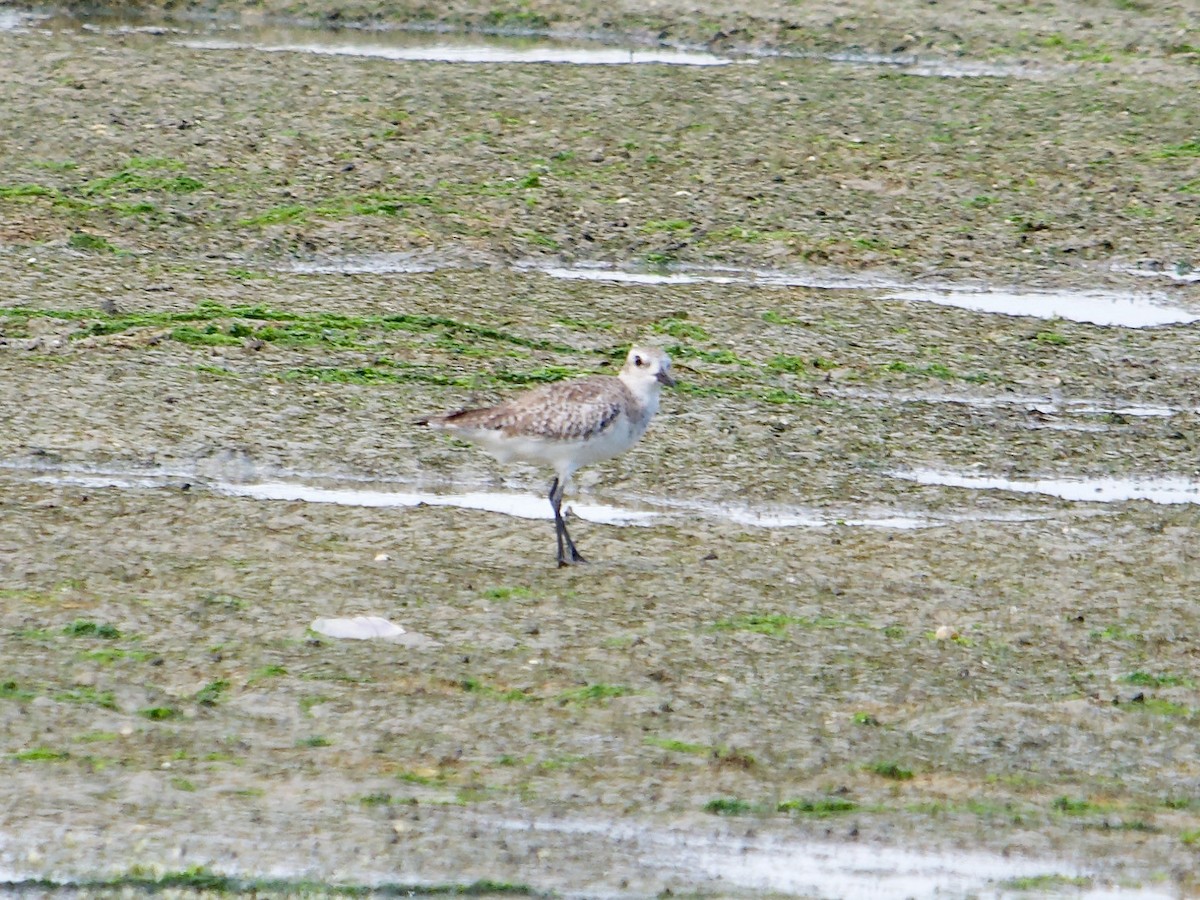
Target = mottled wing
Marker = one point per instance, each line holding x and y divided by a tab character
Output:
567	411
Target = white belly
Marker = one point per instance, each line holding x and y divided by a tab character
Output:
564	456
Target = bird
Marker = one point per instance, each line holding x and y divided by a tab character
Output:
567	425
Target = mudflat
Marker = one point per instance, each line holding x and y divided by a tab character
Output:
901	583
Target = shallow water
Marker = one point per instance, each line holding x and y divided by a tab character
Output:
645	511
522	506
1182	273
1128	309
366	264
1165	489
808	868
767	278
450	46
419	262
721	858
1046	405
929	68
408	47
401	45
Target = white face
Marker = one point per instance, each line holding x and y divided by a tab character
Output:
648	364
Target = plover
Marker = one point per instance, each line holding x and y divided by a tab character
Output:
568	425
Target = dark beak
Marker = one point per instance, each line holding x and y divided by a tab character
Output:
665	378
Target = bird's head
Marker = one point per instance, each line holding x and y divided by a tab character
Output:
647	367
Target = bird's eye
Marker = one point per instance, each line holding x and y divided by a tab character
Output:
637	361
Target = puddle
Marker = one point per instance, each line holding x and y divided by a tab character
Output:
406	262
815	868
799	518
928	68
599	858
474	48
648	511
1129	310
521	506
1133	411
534	506
1167	489
367	264
767	519
682	275
419	262
1180	272
1041	413
1050	406
396	44
965	69
409	44
618	277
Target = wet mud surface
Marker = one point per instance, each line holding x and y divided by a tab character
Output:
896	596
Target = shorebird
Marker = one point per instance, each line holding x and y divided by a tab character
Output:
568	425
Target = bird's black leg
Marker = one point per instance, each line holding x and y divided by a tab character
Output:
557	489
555	500
576	556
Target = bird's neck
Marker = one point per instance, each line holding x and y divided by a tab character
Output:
645	393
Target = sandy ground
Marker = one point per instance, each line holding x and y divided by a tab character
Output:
1016	677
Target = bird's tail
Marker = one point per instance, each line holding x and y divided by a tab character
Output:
440	420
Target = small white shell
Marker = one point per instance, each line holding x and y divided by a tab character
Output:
361	628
